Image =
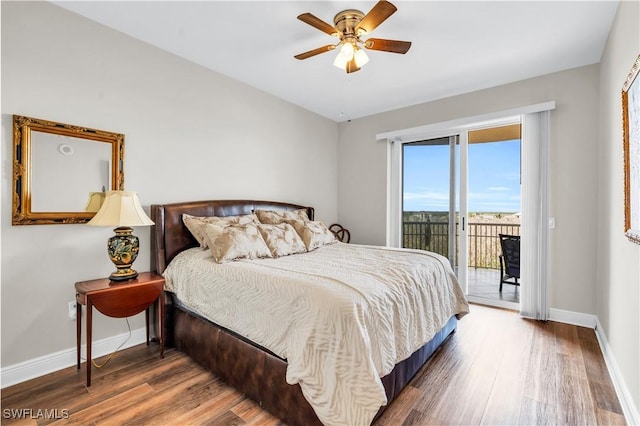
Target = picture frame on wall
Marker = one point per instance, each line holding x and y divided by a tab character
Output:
631	148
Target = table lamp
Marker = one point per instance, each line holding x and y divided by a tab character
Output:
95	201
122	209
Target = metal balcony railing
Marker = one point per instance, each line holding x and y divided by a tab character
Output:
484	243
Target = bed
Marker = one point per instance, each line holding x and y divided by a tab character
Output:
258	371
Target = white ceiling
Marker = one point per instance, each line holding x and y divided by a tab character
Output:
458	46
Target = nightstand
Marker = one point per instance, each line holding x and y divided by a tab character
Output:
119	300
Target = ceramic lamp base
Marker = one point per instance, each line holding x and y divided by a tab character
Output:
123	250
123	275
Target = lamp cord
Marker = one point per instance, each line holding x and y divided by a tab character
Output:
95	364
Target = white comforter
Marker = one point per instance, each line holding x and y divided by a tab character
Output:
342	315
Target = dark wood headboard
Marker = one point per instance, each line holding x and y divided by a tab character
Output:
169	236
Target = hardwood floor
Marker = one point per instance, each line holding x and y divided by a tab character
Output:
496	369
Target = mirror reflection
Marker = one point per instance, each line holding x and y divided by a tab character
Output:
62	172
66	170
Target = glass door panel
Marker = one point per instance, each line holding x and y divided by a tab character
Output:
429	202
494	182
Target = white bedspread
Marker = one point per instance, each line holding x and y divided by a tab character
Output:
342	315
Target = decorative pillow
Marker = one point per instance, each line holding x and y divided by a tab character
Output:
314	234
282	239
274	217
196	224
233	242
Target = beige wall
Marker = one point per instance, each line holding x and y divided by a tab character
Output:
618	306
190	133
573	177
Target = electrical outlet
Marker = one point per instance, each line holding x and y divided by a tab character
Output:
72	310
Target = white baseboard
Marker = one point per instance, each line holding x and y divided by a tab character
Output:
46	364
629	409
573	318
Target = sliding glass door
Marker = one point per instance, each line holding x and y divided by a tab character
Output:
459	193
523	158
495	209
434	198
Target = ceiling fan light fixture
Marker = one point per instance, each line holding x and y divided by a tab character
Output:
349	26
360	57
341	61
347	50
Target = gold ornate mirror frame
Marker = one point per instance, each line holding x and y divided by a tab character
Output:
74	145
631	150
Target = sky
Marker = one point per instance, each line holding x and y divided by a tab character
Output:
494	177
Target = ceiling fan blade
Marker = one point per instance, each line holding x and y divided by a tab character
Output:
380	12
318	23
395	46
351	66
315	52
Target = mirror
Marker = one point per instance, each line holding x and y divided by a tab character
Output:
61	172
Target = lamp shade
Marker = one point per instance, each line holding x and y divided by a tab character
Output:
361	58
341	61
121	208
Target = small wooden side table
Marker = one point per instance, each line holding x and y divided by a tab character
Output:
119	300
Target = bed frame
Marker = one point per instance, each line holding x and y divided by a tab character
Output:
253	370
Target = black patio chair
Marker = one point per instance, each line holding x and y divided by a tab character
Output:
509	260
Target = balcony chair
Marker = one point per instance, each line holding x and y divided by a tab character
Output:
509	260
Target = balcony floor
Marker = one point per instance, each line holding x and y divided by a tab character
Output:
485	283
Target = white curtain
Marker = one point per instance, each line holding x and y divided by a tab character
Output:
534	259
394	193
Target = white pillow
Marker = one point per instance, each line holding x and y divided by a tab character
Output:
282	239
314	234
196	224
273	217
233	242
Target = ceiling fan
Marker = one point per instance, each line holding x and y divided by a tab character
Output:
350	26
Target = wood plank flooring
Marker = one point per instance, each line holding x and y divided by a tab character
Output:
496	369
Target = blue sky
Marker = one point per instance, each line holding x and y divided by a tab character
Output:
494	177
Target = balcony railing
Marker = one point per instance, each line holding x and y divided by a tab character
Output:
484	243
